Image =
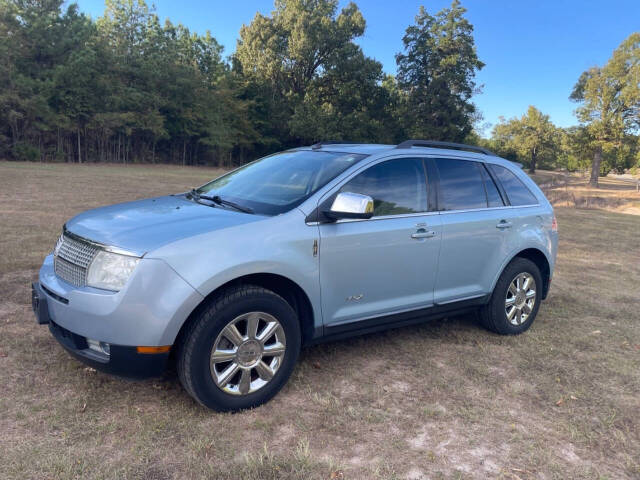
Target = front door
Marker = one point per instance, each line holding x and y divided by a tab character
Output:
387	264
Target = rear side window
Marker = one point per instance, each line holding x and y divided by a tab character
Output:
461	185
396	186
493	196
517	191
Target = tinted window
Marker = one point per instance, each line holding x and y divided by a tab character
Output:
277	183
493	196
517	192
461	185
396	186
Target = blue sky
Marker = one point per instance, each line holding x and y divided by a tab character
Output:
534	51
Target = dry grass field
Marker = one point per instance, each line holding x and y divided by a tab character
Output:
445	400
571	190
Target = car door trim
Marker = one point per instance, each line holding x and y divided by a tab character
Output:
440	212
387	217
402	318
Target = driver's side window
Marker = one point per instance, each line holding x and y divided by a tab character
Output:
397	186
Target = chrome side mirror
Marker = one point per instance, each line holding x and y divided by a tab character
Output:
351	205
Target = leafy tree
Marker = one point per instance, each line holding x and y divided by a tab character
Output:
436	75
310	80
301	39
34	44
610	102
574	152
10	98
131	105
345	103
533	137
394	109
77	79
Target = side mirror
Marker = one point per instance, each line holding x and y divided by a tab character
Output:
350	205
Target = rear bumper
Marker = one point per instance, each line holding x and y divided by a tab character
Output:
122	360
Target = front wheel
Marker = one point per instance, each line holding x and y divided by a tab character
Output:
240	350
515	300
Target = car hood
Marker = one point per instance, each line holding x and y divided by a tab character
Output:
145	225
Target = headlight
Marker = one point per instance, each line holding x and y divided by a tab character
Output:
110	271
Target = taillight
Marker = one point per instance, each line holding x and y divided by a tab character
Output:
554	224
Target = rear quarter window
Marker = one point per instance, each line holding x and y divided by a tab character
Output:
517	191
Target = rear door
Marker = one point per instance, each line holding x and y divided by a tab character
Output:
387	264
476	229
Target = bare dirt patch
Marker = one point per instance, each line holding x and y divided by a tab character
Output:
441	400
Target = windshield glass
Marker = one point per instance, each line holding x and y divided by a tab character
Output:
280	182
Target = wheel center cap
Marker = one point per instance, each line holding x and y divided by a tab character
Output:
520	298
249	353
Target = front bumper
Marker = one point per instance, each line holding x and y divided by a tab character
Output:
149	310
122	360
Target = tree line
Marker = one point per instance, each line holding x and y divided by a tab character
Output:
127	87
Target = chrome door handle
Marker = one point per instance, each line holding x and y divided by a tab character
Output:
423	233
504	224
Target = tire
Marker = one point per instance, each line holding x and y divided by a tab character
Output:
494	315
221	382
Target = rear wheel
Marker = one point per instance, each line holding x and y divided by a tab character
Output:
515	300
240	350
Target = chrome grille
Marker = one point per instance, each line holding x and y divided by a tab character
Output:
72	258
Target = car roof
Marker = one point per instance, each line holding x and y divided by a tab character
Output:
358	148
375	148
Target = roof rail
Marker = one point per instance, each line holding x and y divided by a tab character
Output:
318	145
438	144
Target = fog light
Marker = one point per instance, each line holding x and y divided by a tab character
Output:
100	347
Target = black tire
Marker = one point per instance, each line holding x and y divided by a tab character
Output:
493	315
195	346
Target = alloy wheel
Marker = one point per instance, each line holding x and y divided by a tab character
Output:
247	353
520	298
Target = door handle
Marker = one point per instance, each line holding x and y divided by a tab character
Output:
504	224
423	233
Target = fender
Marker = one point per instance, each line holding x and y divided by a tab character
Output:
308	284
514	253
309	288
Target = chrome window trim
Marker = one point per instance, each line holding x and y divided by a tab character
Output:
381	217
505	207
471	210
406	215
386	217
101	246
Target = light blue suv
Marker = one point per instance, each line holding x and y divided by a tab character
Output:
315	243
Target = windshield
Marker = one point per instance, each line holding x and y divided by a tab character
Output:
280	182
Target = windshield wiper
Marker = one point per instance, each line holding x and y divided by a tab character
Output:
220	201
